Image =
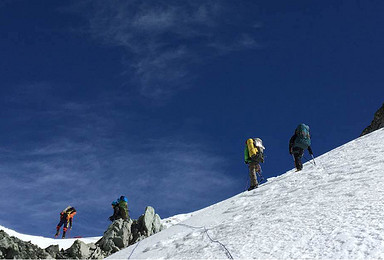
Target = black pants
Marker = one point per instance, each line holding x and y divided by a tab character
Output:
298	154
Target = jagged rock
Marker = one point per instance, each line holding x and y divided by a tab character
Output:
152	221
149	216
120	234
116	237
12	247
79	250
148	224
97	253
53	250
377	122
156	225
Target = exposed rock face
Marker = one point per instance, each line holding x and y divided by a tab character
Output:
14	248
120	234
148	224
117	236
79	250
377	122
53	250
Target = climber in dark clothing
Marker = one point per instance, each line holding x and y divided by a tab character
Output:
120	209
66	218
299	142
116	211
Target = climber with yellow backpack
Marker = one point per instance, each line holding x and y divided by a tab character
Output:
253	156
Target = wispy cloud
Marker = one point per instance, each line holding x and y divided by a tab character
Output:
83	157
167	174
163	39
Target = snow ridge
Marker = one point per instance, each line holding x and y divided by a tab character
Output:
329	211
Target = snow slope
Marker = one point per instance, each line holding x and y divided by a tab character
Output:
330	211
44	242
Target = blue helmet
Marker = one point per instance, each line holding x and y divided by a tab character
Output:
114	203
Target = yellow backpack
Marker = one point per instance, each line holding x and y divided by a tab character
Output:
256	153
252	149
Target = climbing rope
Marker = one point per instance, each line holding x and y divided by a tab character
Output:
228	254
137	244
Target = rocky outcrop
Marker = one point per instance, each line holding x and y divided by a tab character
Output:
79	250
117	236
120	234
377	122
14	248
148	224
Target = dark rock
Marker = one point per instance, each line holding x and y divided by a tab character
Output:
97	253
53	250
120	234
116	237
79	250
12	247
377	122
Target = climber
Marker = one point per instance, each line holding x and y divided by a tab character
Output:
116	211
120	209
253	156
66	218
123	207
300	141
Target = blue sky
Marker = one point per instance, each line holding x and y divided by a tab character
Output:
154	99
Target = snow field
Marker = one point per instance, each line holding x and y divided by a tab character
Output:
333	210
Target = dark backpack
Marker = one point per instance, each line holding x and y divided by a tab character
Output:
303	138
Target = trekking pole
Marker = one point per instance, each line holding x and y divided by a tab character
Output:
313	160
309	161
260	175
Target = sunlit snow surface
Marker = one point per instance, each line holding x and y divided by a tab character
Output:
334	210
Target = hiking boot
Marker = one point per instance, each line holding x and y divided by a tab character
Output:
57	233
252	187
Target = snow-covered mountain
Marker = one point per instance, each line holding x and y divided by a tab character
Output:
330	210
333	210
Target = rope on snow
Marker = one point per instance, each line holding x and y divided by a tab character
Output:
137	244
214	241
